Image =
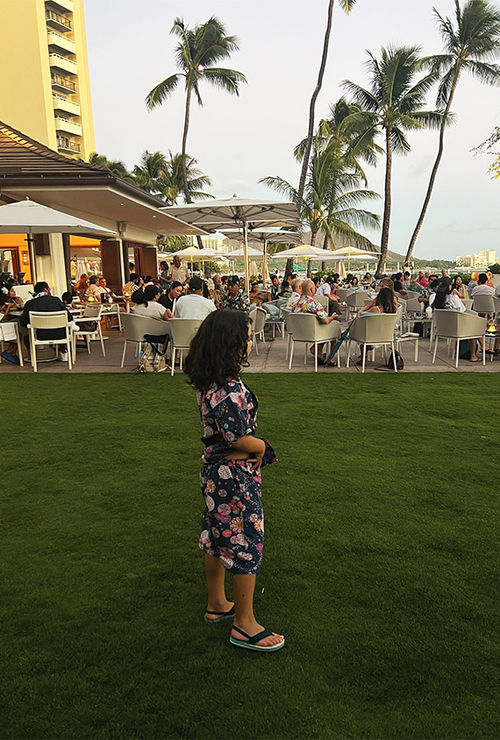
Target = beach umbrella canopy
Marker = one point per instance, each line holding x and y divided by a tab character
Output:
352	252
239	212
302	250
29	217
271	235
239	253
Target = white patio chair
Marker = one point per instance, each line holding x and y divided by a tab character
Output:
258	318
356	301
50	320
467	303
182	332
9	332
484	304
450	324
376	330
91	314
135	327
306	328
323	299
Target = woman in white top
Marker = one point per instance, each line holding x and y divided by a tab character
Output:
444	298
146	303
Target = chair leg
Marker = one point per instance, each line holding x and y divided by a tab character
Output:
435	349
69	350
364	359
348	353
123	353
255	343
484	351
291	353
181	353
102	341
394	358
305	353
288	340
33	352
458	353
172	369
315	359
416	349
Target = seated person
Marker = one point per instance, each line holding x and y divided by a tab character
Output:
275	287
9	301
285	291
168	299
133	284
234	298
459	287
296	293
255	296
67	299
325	289
384	302
308	304
107	294
482	287
46	302
194	305
146	303
93	291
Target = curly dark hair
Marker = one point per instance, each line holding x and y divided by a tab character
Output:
219	349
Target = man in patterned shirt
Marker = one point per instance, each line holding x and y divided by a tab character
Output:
235	298
308	304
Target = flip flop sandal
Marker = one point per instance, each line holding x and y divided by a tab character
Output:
222	615
249	643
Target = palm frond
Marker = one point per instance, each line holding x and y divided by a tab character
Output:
162	91
281	186
399	141
363	97
488	74
445	87
225	79
347	5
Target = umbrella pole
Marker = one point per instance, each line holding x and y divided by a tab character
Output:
245	257
31	250
264	265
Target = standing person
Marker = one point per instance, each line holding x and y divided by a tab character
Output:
232	534
178	271
164	282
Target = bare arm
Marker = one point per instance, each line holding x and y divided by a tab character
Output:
248	448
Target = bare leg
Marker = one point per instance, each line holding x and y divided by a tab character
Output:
215	572
473	355
244	587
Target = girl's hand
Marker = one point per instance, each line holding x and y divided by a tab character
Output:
256	462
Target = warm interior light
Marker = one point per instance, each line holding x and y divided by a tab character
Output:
492	328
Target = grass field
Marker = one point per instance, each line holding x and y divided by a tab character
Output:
380	564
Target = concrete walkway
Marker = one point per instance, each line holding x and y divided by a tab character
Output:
271	359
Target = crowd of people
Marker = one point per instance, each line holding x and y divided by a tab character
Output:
177	294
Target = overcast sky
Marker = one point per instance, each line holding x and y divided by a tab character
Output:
238	140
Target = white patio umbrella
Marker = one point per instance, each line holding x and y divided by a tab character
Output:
247	214
29	217
271	235
353	253
302	250
251	252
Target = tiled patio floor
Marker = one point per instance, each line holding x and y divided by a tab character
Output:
271	359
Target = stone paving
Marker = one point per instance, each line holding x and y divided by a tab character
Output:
271	359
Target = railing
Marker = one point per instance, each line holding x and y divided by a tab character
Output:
69	61
64	143
63	81
50	15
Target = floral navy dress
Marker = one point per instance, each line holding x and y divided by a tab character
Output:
233	520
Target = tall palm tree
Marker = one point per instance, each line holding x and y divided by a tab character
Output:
199	48
346	5
470	45
116	167
392	105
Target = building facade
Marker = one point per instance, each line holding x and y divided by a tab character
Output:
44	76
481	259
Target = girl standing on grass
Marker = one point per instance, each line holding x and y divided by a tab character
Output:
232	535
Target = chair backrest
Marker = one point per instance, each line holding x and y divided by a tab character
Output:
183	331
323	299
454	324
378	327
302	326
496	301
358	299
411	294
258	319
483	304
413	305
135	327
343	293
48	319
93	312
467	302
9	331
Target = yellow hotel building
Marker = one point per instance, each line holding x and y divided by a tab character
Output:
44	76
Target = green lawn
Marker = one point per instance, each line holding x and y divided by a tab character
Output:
380	564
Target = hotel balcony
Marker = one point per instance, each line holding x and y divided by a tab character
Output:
69	127
61	6
63	84
64	105
56	60
67	145
57	21
61	42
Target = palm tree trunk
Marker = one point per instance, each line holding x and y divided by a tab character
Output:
432	178
386	222
187	197
310	132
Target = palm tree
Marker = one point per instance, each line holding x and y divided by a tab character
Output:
151	172
346	5
331	197
173	182
116	167
198	50
470	46
393	105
